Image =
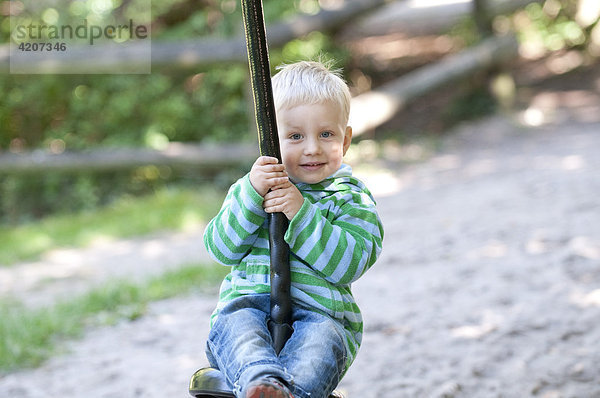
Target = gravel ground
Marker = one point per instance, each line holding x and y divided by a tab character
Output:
488	286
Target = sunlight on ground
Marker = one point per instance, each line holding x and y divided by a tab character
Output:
573	162
166	319
580	246
480	167
447	162
154	249
540	243
550	107
380	183
591	299
491	249
104	258
489	323
585	247
384	166
567	163
31	276
389	173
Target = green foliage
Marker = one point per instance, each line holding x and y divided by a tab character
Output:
314	46
28	337
84	111
465	32
553	24
26	198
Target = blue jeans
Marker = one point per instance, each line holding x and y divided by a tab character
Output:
240	346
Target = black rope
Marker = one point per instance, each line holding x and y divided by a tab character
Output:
268	141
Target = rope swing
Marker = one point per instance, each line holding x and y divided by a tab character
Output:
268	141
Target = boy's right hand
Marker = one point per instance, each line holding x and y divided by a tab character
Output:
267	173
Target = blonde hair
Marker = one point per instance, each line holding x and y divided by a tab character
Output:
310	82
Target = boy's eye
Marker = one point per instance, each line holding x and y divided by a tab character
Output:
295	136
326	134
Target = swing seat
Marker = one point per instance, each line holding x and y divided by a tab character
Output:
210	383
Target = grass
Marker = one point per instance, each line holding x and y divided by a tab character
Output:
167	209
29	336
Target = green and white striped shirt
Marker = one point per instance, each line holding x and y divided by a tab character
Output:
334	239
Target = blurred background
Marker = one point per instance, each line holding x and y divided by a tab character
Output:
207	101
88	158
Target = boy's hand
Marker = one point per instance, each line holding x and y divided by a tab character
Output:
267	173
284	198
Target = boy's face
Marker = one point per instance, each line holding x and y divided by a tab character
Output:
314	138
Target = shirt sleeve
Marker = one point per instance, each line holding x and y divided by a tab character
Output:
341	250
229	236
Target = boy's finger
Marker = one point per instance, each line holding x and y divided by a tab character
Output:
277	191
276	168
272	202
264	160
279	182
273	178
269	196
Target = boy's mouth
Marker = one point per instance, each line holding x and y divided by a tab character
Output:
312	165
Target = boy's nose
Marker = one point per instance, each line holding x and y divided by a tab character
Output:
312	147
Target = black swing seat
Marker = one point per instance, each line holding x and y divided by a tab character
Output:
210	383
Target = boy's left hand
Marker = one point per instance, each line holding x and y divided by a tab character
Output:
284	198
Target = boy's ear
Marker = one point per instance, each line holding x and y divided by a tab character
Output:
347	138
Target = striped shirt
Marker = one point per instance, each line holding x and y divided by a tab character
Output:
335	237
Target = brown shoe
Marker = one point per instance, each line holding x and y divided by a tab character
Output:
268	388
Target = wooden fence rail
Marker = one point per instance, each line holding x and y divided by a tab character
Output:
176	155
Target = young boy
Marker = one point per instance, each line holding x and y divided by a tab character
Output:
334	235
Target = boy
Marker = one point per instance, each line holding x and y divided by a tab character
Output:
334	235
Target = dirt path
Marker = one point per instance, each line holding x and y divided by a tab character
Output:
64	273
489	284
